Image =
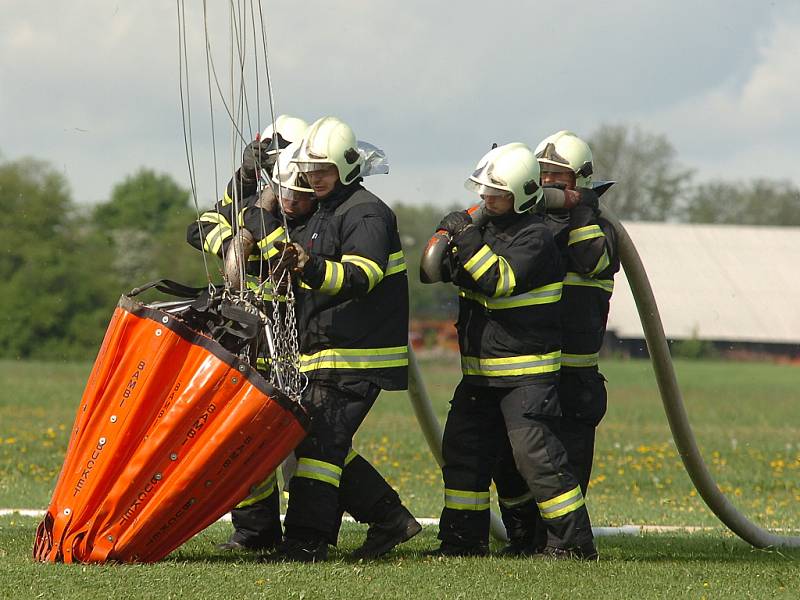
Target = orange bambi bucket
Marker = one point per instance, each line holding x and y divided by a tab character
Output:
171	433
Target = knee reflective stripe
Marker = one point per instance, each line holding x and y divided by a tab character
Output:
582	234
547	294
531	364
580	280
561	505
602	264
480	262
319	470
515	502
506	280
350	456
466	500
370	268
396	264
260	492
334	278
579	360
355	358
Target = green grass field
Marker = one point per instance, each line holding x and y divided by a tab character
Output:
745	417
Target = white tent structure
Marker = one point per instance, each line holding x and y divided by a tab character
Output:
723	283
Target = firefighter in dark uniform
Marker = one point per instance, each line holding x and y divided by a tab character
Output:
256	520
353	327
588	245
509	275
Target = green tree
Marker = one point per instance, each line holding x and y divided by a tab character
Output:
55	295
757	202
650	181
143	201
144	223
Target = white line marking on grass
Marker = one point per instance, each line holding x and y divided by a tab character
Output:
429	521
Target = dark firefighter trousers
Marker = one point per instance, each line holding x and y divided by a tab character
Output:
481	422
330	477
583	399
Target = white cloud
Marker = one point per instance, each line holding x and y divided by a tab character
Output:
745	128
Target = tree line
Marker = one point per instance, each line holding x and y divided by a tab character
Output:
63	266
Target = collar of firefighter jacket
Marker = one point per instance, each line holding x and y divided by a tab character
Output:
339	194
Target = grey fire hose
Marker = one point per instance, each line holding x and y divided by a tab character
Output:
673	402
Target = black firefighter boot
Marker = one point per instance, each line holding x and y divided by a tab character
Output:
393	524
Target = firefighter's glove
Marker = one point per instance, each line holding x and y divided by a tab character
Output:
292	257
455	222
254	158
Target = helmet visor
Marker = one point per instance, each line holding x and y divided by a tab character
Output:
484	190
313	167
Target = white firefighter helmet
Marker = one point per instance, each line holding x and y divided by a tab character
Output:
330	141
508	169
286	174
289	129
566	152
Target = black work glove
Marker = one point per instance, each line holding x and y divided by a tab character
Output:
255	157
455	222
292	257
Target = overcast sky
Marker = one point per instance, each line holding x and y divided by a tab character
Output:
92	86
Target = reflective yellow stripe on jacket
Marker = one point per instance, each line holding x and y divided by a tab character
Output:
212	241
531	364
355	358
581	234
542	295
480	262
580	280
579	360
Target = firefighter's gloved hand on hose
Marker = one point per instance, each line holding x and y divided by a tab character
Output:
456	222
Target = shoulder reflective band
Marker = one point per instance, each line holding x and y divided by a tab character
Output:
506	280
217	235
350	456
561	505
601	265
267	245
466	500
480	262
547	294
370	268
319	470
579	360
396	264
580	280
514	502
355	358
226	198
334	278
581	234
531	364
261	491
